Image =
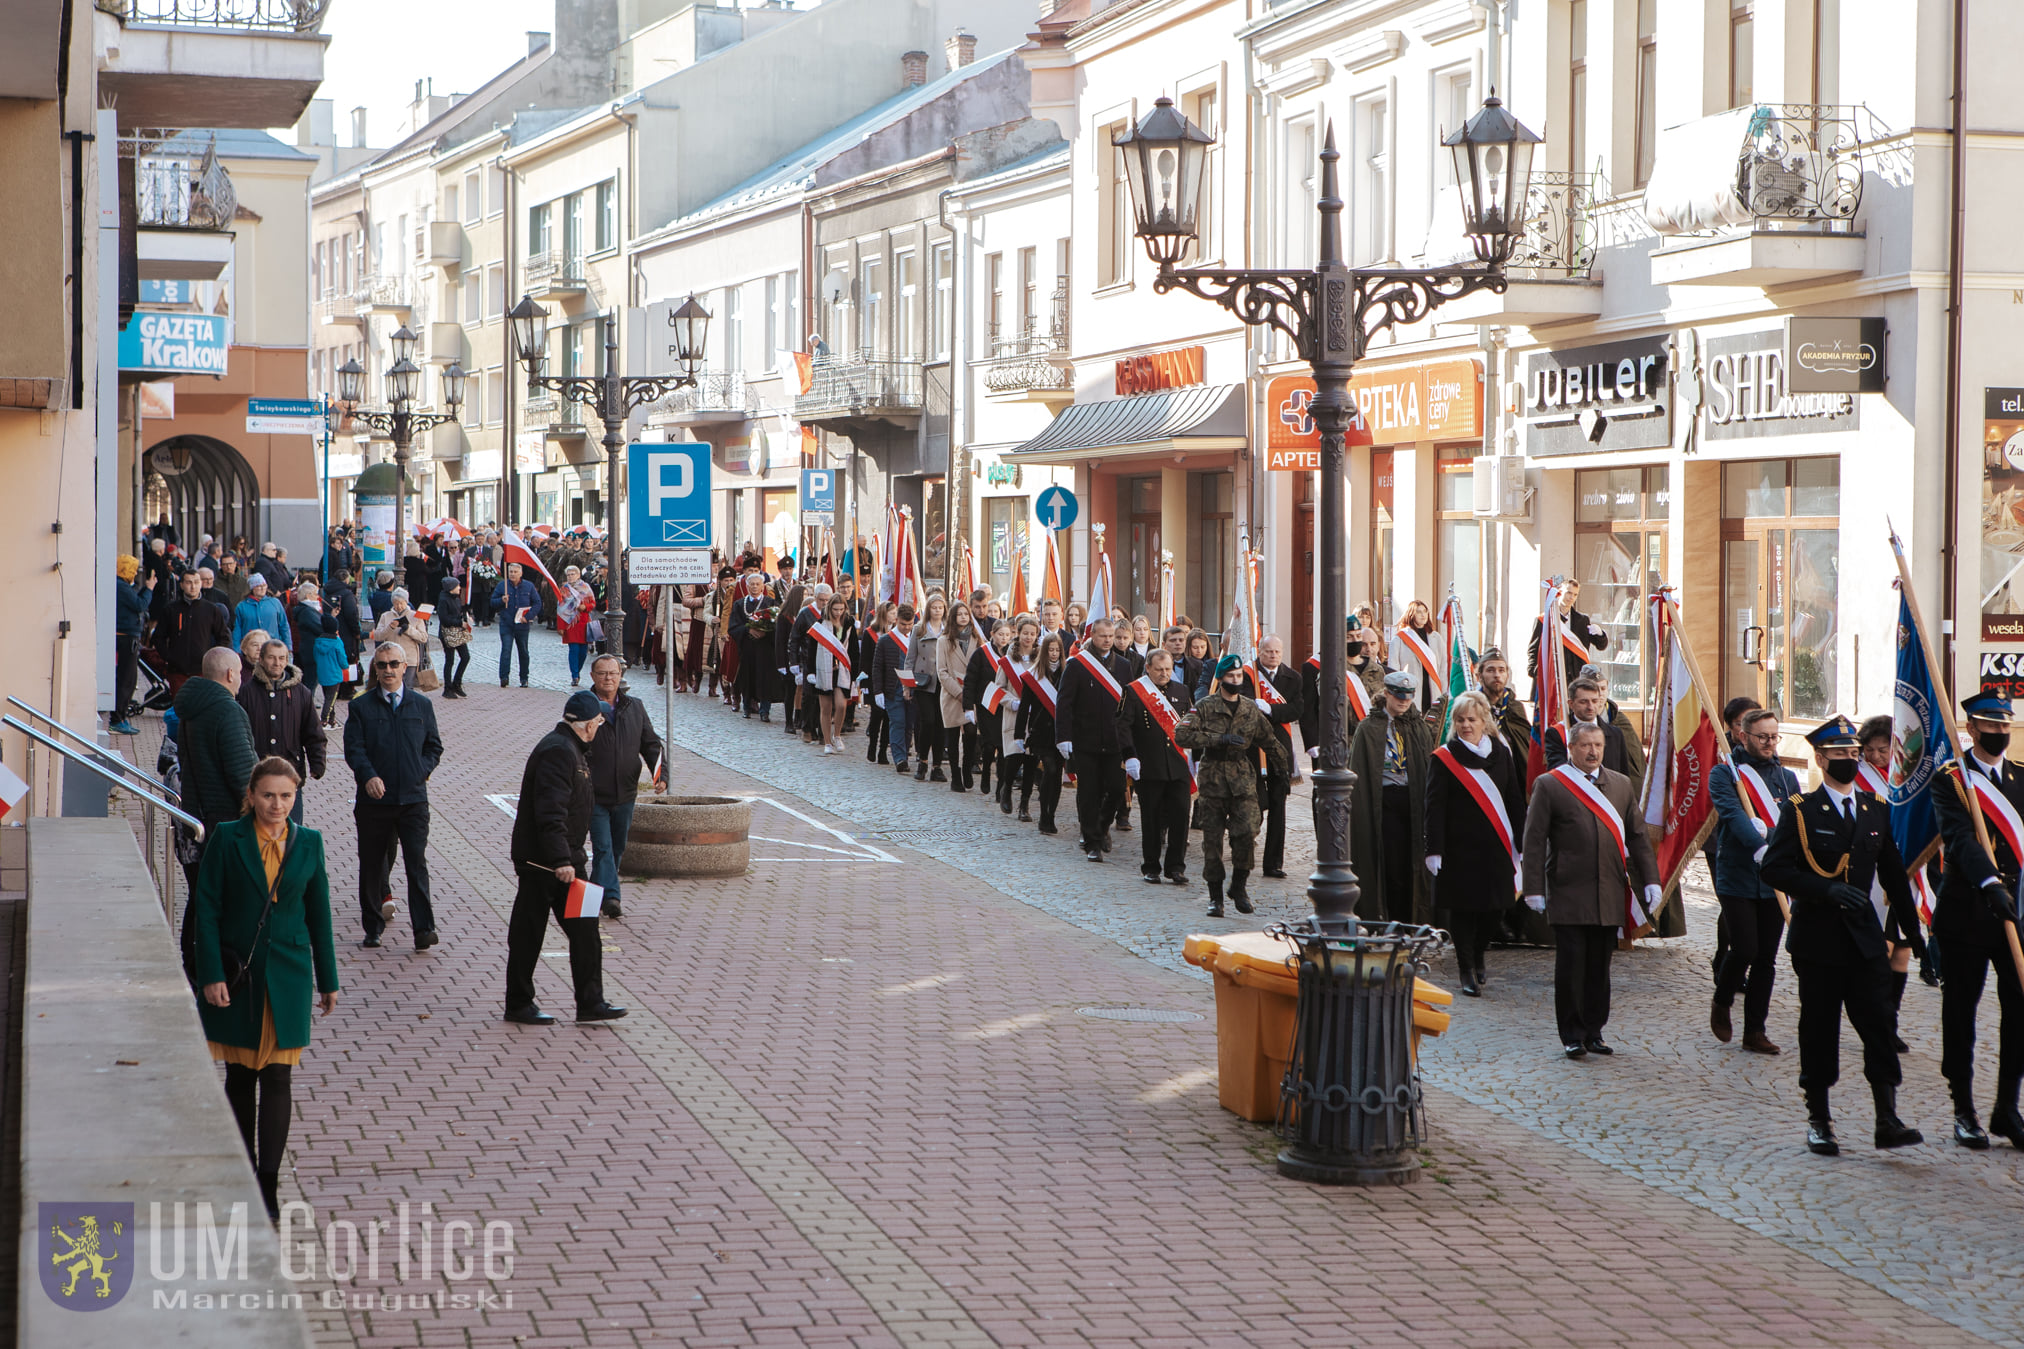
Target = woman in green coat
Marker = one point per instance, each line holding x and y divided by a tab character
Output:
262	894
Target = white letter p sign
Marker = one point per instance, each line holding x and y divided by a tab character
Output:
659	490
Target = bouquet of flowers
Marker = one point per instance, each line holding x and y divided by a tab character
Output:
760	624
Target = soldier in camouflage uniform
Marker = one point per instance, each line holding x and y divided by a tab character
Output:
1226	730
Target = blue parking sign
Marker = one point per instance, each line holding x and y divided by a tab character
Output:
668	494
818	491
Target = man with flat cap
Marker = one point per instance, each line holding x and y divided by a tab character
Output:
1980	801
1226	730
1390	754
1827	848
549	830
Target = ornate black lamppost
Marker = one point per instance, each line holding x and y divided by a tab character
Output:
612	396
399	419
1350	1111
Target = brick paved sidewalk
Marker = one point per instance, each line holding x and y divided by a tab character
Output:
855	1105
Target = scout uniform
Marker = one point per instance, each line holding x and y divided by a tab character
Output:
1225	733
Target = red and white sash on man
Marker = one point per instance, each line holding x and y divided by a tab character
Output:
1872	781
1161	711
1487	798
906	675
1264	685
825	637
2001	816
1573	645
1423	652
1762	799
1040	686
1099	673
1591	796
1359	700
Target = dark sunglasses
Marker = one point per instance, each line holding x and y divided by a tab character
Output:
386	665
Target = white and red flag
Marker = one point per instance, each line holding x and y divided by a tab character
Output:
1550	692
1050	579
1101	596
969	573
516	549
1685	747
585	900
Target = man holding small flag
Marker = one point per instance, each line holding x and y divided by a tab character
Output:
1750	792
550	827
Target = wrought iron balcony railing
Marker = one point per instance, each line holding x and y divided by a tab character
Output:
1795	166
714	391
557	416
178	181
1559	237
553	268
386	292
287	16
862	385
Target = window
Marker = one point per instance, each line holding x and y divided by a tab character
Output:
1057	318
1781	584
379	248
474	298
942	260
607	214
1303	167
450	203
994	301
1452	109
495	395
906	274
495	191
732	349
780	329
572	226
538	218
1213	560
399	261
475	402
474	200
1577	86
772	321
1460	535
1201	109
1372	168
1619	557
1647	75
1114	221
1742	52
322	265
1007	520
870	305
1029	296
495	291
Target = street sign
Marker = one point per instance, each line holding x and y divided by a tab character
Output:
1056	508
668	494
284	417
818	496
669	566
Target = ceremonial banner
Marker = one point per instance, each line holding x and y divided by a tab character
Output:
1550	692
1921	742
1684	749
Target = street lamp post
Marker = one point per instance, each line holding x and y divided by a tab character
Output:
612	396
399	419
1341	1125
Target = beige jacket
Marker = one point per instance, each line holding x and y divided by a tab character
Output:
952	662
413	642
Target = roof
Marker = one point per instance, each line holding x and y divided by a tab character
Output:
1201	417
1049	157
233	143
532	123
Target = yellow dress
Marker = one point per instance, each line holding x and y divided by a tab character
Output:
271	851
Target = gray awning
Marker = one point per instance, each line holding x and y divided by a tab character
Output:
1205	417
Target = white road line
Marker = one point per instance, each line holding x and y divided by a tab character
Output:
509	802
873	854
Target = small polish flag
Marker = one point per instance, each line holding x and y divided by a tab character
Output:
12	789
351	673
585	900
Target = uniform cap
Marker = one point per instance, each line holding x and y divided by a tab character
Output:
1987	706
1837	732
1399	682
1227	664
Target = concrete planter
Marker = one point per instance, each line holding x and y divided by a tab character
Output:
677	836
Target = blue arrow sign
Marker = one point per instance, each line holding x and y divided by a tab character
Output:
1056	508
668	494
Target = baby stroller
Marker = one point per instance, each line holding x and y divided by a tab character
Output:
159	696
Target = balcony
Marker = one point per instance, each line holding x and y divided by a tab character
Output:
720	397
339	308
1763	196
557	418
553	274
847	394
228	63
1550	271
1032	364
184	205
446	244
446	342
390	296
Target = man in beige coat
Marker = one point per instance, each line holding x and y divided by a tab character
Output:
1584	847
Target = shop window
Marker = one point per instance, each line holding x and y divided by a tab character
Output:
1139	506
1381	538
1461	541
1006	522
934	536
1619	557
1781	564
1214	558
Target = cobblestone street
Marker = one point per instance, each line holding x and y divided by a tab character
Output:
855	1104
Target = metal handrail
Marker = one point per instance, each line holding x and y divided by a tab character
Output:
174	811
98	750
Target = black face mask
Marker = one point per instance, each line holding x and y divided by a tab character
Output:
1233	685
1841	770
1992	743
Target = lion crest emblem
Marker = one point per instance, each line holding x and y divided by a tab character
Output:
87	1254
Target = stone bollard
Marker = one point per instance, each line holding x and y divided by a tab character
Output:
674	837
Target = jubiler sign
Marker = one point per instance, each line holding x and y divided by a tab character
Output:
179	344
1624	383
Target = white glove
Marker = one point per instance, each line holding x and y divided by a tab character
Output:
1263	706
1131	769
1758	856
1653	895
1314	751
1994	882
1763	829
796	669
783	669
880	699
970	717
1433	864
1012	703
1018	746
1536	903
1066	748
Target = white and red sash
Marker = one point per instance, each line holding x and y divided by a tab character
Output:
906	675
1572	644
1162	713
1872	781
1762	799
1001	664
1591	796
826	639
1040	686
995	696
1264	686
1098	673
1422	652
1488	800
1997	810
1359	699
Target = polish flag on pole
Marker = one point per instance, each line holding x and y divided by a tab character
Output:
12	789
1685	747
1551	688
517	550
585	900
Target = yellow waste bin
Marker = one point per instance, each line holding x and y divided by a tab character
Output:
1257	978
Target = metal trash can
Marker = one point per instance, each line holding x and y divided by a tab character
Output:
1350	1109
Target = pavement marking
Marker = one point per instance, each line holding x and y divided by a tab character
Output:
864	849
509	803
911	1303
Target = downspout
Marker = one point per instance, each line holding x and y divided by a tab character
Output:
1950	553
509	466
956	525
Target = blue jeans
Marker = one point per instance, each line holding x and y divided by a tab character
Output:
609	826
577	651
899	723
511	636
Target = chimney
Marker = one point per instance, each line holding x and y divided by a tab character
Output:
316	126
961	49
915	65
358	140
537	42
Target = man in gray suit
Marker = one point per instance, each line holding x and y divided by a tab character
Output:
1584	846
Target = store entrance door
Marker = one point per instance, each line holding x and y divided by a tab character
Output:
1780	584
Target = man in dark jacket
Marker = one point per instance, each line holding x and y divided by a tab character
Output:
391	743
1085	717
625	741
214	744
189	626
1750	792
549	827
1282	711
516	601
130	615
1584	632
1390	754
891	689
1152	705
282	711
1587	703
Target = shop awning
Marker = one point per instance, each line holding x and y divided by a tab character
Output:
1206	417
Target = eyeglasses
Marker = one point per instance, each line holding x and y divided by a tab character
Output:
386	665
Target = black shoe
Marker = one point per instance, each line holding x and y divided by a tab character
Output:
901	768
1150	877
1594	1045
1968	1131
1238	895
1104	842
1898	1043
1178	877
936	774
2005	1122
612	910
523	683
1048	827
1892	1132
604	1011
1820	1139
1025	816
424	940
1573	1050
530	1015
1719	1022
1275	873
370	941
502	683
1123	826
1469	988
984	782
921	771
1094	854
766	717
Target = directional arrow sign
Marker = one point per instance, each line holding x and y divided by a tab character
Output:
1056	508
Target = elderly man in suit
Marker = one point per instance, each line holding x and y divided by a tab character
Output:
1584	850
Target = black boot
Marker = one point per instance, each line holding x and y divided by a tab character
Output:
1898	980
1968	1131
1820	1137
270	1190
1469	988
2004	1120
1216	899
955	779
921	771
984	778
1004	794
1891	1132
1026	805
1047	825
1237	895
936	774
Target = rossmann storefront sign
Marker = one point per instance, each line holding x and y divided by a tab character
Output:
175	344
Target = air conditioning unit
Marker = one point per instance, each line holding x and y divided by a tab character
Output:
1501	493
